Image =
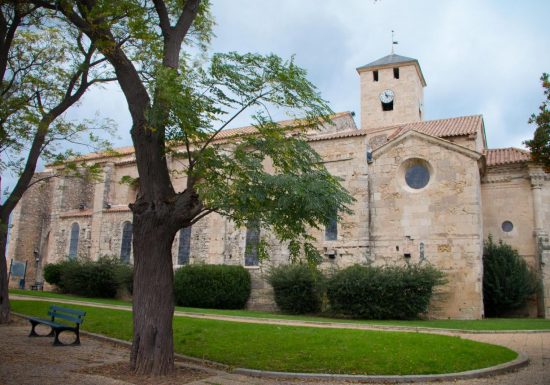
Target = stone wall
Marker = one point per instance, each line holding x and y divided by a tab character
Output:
346	158
29	233
507	199
506	196
438	224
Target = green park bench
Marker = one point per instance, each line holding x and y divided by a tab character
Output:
68	317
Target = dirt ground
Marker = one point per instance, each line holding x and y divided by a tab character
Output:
34	361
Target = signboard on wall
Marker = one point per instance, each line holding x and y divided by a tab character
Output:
18	269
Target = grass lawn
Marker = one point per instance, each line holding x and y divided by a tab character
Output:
303	349
486	324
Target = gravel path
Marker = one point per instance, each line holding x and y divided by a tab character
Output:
33	361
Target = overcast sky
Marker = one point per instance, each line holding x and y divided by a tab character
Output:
478	56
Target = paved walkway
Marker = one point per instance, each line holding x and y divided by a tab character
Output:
35	361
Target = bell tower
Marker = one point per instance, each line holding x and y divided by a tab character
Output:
392	92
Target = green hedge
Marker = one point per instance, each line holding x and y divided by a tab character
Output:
507	279
389	292
103	278
298	288
212	286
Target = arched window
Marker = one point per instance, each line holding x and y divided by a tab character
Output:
126	244
331	229
252	240
184	246
73	244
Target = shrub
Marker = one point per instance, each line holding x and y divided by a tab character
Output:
507	279
87	278
124	275
91	279
212	286
298	288
390	292
52	273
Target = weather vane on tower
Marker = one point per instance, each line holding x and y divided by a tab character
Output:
393	42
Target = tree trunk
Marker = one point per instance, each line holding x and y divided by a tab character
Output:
4	296
153	298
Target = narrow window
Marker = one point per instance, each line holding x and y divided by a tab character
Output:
375	76
252	240
126	244
396	73
184	246
73	244
387	106
331	229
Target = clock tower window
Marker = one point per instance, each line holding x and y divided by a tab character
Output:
375	76
387	106
396	72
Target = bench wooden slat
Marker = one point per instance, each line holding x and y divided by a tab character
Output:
66	317
67	310
47	322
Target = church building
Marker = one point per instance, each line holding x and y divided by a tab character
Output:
427	191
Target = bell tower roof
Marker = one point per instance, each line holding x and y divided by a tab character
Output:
391	61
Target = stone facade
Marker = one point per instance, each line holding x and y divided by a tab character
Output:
440	217
440	223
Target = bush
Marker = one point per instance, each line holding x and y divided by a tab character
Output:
298	288
124	275
212	286
390	292
102	278
52	273
507	279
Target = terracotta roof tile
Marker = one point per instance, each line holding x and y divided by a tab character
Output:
336	135
499	156
464	125
224	134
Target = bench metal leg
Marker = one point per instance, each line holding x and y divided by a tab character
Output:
33	333
57	342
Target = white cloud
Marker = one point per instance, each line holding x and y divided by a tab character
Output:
477	56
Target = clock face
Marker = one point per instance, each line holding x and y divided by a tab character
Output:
386	96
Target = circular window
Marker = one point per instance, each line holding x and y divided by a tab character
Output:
417	176
507	226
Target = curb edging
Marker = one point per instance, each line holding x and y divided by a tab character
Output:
521	361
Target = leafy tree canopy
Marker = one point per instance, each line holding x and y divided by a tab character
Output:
540	144
270	175
49	65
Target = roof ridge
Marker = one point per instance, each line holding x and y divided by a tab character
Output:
224	134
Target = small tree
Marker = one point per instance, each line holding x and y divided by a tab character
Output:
507	279
46	66
540	144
